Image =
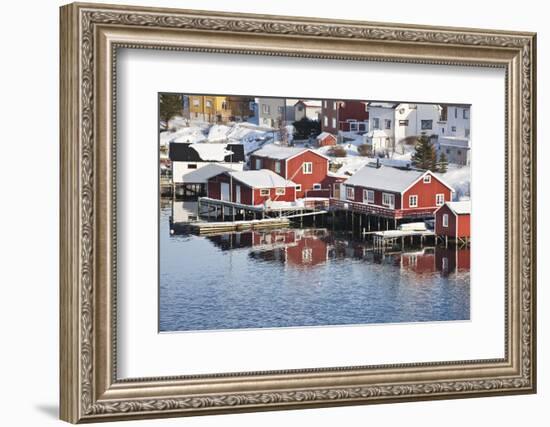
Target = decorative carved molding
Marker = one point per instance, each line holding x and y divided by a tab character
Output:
90	18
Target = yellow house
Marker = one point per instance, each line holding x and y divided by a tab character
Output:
212	109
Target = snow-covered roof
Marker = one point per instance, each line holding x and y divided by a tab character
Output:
454	141
263	178
384	178
211	151
323	135
460	208
203	174
279	152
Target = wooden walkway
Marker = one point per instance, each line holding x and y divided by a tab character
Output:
228	226
393	238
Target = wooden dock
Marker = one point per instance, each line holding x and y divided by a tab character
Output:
228	226
393	238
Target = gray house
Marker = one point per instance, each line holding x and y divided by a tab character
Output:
456	149
271	111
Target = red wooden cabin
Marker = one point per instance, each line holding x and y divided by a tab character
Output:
251	187
325	139
344	116
453	220
307	168
395	193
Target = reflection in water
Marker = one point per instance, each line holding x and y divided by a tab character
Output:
304	277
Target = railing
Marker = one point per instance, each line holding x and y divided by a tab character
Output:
380	210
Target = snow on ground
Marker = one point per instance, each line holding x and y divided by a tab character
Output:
458	177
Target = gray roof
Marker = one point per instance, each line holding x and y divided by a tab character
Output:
204	173
263	178
384	178
460	208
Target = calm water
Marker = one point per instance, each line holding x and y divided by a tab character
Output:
303	277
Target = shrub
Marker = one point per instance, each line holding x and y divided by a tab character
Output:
337	151
364	150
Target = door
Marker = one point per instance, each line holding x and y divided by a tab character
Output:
238	194
225	191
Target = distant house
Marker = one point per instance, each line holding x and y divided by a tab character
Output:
325	139
396	193
381	135
416	119
306	167
453	220
346	116
455	121
187	157
310	109
254	187
456	149
271	112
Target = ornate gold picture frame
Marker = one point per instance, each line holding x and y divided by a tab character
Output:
90	37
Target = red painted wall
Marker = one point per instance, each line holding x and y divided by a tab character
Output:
289	196
445	231
327	141
294	171
426	193
464	225
377	196
308	251
347	110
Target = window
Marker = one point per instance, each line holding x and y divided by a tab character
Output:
307	168
196	102
350	193
251	105
459	152
307	255
258	163
427	179
316	186
208	103
334	122
325	104
445	220
413	201
192	166
224	105
278	167
403	123
448	151
368	196
388	200
325	121
264	192
387	123
426	124
265	108
439	199
281	109
376	123
299	187
456	113
334	105
453	128
467	133
280	191
465	114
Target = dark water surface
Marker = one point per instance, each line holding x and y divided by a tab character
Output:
303	277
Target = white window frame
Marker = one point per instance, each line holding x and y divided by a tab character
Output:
258	163
307	168
427	179
375	123
334	105
307	255
264	192
278	166
196	102
280	191
208	103
385	200
445	220
265	109
350	193
439	199
334	123
367	196
387	123
415	198
325	121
